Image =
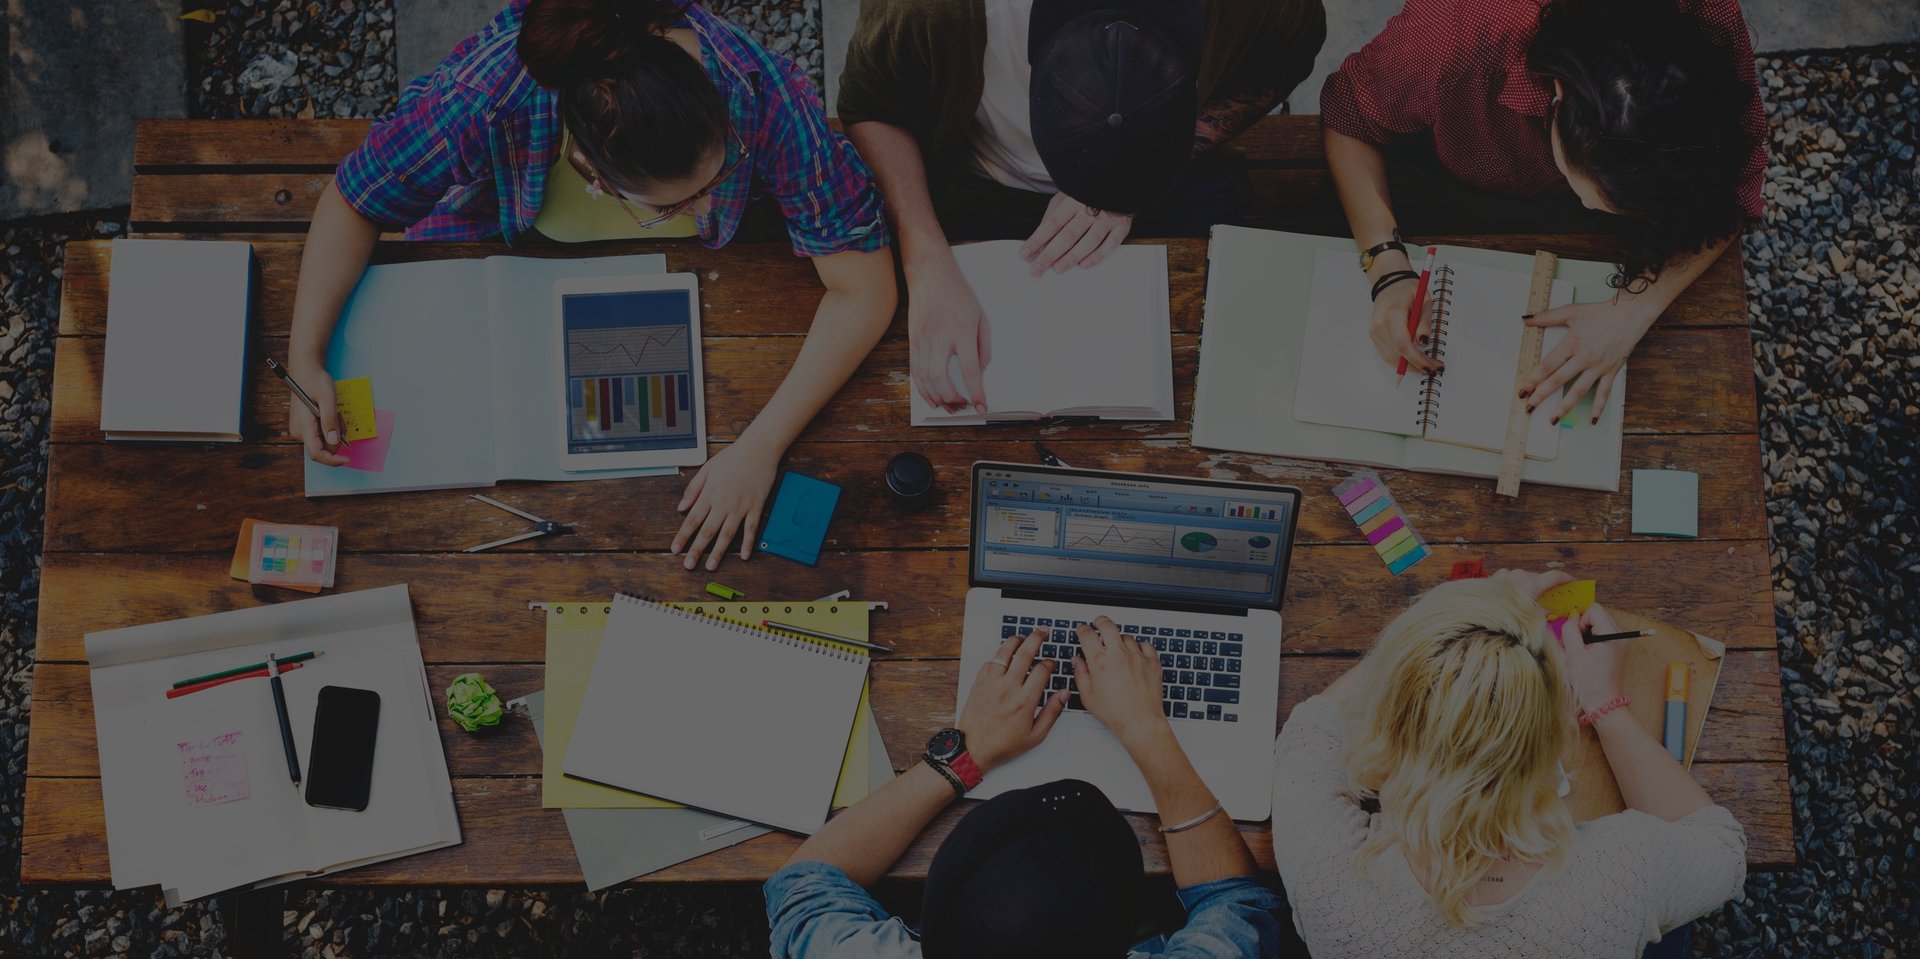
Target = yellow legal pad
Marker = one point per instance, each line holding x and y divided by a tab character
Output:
573	642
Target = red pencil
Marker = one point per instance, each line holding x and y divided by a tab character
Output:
209	684
1419	301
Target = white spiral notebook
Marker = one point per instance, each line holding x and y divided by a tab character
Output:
723	717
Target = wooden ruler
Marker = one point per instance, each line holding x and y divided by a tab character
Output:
1513	456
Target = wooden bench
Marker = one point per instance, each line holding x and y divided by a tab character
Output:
140	533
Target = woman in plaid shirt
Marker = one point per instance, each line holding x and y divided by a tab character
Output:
667	117
1648	109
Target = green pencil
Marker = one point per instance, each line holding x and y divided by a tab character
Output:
235	671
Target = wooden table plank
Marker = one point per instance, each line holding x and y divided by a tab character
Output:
911	699
472	608
762	300
112	498
502	823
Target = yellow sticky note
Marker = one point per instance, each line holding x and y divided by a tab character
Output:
1568	600
354	399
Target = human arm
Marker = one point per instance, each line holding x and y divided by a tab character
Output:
1000	722
944	318
1119	680
1601	335
1229	114
727	494
1649	778
1360	178
339	243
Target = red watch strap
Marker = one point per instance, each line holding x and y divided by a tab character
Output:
963	766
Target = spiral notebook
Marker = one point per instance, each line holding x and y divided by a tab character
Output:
717	715
1475	316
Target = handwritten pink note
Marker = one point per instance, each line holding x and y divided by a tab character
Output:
214	770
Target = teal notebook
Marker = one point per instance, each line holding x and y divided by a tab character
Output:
465	371
1255	343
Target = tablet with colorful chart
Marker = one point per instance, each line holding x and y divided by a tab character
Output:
630	372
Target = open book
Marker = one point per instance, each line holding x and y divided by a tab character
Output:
196	788
465	363
1088	342
1287	367
1475	318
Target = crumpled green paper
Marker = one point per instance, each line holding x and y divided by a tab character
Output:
472	703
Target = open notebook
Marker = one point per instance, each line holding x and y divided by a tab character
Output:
1475	315
1254	350
717	715
196	788
464	361
1087	342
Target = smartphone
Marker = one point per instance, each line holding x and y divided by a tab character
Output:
340	759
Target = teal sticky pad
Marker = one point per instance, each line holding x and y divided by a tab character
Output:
796	527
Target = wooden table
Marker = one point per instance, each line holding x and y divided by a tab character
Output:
140	533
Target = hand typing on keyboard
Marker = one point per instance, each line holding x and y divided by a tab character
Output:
1119	680
999	719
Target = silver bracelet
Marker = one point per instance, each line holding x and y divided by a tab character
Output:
1195	821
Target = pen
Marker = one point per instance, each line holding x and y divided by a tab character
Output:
299	393
179	691
1047	457
1679	677
1610	637
285	661
816	634
1419	302
286	728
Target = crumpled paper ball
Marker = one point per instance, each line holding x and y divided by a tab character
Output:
472	703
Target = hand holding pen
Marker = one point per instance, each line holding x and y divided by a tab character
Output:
313	416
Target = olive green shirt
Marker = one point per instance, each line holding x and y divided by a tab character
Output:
918	64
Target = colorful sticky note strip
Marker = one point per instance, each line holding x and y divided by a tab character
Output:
1365	498
354	399
1666	503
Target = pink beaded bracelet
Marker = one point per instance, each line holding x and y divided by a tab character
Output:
1605	708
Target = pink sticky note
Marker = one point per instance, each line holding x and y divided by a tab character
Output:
214	770
371	455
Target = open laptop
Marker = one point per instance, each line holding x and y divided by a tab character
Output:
1197	567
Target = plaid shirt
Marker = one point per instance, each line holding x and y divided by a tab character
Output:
1459	69
465	155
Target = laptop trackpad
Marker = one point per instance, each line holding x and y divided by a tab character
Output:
1079	748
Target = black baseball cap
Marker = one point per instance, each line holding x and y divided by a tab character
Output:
1050	871
1114	95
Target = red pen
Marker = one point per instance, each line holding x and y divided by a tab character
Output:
1419	302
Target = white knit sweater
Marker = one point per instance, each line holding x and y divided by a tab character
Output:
1630	877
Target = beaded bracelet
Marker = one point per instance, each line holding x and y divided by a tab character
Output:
1605	708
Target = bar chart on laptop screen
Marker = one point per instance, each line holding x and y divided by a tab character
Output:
629	372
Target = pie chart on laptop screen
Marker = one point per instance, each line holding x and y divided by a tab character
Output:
1198	542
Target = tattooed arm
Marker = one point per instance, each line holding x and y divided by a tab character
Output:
1225	116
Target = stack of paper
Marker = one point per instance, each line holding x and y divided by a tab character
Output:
197	792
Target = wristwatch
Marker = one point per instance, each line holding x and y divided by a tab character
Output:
947	754
1367	255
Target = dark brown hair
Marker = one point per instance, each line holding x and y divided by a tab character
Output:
1651	112
637	105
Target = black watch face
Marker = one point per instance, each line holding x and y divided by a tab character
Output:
947	744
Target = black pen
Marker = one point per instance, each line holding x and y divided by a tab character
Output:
286	728
1047	457
1610	637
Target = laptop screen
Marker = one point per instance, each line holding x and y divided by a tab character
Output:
1152	537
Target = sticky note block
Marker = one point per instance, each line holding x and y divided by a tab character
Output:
354	399
1365	498
371	454
242	551
1569	599
797	525
295	556
1666	503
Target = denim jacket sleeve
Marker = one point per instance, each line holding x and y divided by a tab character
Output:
816	911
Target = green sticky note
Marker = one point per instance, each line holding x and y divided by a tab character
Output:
1666	503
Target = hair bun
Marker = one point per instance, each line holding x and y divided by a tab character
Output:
567	42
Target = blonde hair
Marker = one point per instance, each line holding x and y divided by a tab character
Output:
1463	712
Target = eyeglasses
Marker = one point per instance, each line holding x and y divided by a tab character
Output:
597	184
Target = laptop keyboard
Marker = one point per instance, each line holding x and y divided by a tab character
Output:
1199	668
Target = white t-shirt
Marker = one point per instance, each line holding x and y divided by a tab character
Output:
1002	147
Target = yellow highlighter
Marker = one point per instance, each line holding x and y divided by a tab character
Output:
1679	677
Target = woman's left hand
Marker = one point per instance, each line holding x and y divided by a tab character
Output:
725	498
1599	337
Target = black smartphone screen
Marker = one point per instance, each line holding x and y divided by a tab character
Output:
340	761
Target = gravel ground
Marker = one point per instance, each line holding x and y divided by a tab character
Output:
1835	304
